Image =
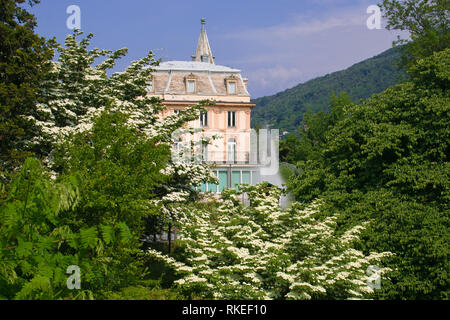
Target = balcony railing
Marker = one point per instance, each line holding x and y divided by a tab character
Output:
219	157
224	157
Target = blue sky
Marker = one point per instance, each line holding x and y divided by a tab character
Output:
276	44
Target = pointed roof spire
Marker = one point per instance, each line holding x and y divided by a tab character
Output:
203	53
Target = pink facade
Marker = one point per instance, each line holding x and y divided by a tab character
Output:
184	83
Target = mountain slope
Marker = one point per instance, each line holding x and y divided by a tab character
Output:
284	110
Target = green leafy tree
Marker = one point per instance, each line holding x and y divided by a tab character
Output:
76	91
37	246
387	159
120	168
427	21
313	131
24	61
108	132
93	216
120	171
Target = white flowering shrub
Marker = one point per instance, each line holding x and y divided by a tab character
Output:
78	89
263	252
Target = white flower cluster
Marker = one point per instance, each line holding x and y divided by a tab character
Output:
77	91
262	252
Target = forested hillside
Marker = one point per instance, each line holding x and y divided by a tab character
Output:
285	109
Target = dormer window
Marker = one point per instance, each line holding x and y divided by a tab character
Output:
191	83
191	86
231	83
231	87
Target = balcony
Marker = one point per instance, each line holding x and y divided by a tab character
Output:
223	157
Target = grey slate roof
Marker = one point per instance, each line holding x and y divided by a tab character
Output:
193	66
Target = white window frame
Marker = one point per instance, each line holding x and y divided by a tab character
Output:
204	152
178	145
188	81
229	87
204	119
231	150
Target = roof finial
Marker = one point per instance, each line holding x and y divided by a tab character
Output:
203	21
203	53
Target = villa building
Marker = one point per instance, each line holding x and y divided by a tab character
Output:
184	83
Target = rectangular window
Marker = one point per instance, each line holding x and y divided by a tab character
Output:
231	119
191	86
203	119
231	149
150	86
246	178
213	187
223	180
205	152
231	87
178	145
235	179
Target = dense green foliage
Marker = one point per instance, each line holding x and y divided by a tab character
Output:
24	61
427	22
108	168
387	159
119	167
106	153
307	144
35	248
92	217
38	244
285	109
148	290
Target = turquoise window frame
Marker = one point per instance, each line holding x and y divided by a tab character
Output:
223	180
246	177
235	179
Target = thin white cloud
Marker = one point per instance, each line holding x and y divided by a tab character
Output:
281	75
278	57
300	26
